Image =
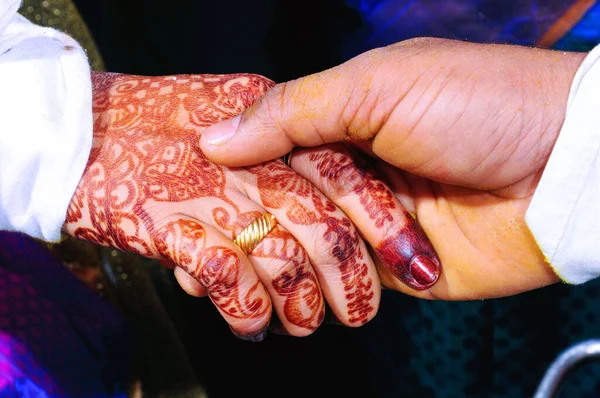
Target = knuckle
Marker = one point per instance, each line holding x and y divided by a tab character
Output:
416	43
337	243
340	174
218	268
287	265
282	273
292	277
269	109
273	103
177	241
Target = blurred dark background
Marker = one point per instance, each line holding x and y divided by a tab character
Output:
278	39
494	348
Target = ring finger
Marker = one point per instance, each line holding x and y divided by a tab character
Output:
346	272
279	260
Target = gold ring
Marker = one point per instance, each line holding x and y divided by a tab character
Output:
287	158
254	233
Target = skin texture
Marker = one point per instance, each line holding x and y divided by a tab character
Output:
460	132
148	189
401	245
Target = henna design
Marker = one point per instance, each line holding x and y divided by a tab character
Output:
354	273
281	188
220	275
409	255
340	169
146	131
303	301
184	242
145	153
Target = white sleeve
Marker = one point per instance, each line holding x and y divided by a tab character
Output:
564	214
45	124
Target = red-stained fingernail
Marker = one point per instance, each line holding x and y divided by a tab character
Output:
424	270
410	256
253	337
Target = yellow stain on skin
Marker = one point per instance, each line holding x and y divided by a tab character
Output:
484	244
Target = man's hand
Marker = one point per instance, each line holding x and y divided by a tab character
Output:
471	127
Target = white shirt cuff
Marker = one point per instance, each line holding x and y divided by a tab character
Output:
45	127
564	214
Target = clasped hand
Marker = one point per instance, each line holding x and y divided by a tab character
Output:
148	189
468	129
452	134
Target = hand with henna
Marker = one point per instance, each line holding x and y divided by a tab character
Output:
148	189
462	132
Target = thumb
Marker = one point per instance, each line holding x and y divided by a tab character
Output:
309	111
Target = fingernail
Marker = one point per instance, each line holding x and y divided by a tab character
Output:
220	133
424	270
410	256
253	337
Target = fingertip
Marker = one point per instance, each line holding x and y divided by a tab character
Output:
252	329
276	326
245	146
189	285
254	337
390	282
220	133
410	257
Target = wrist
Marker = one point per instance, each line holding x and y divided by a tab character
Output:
564	206
556	76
